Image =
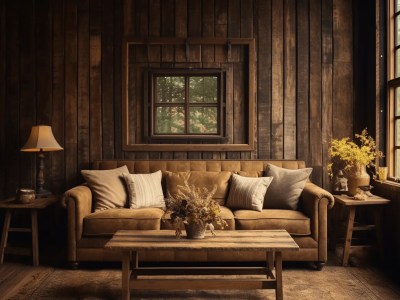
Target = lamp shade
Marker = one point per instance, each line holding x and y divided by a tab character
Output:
41	139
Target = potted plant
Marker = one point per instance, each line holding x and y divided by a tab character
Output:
194	209
353	158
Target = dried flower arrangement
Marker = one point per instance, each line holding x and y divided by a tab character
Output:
193	204
350	155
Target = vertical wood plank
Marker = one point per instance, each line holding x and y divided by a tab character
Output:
277	80
264	79
327	76
118	32
342	69
107	78
13	97
95	81
43	38
221	27
2	99
27	106
71	60
315	91
129	31
83	86
303	82
289	126
58	94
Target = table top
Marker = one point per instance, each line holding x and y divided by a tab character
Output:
348	201
37	203
240	240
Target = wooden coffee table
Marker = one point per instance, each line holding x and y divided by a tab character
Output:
272	242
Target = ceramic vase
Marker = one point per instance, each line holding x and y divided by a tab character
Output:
195	230
358	177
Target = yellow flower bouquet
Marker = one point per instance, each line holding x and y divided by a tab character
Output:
348	155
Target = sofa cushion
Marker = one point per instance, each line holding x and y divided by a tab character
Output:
294	222
145	190
247	192
200	179
107	222
285	189
226	214
107	186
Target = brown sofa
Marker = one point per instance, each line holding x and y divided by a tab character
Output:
88	231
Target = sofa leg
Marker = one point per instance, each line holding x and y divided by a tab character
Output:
73	265
319	265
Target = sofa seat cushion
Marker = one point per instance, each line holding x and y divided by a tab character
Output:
294	222
226	214
107	222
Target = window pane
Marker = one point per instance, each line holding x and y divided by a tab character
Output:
170	120
397	133
397	5
397	108
397	158
203	89
397	63
397	31
170	89
203	120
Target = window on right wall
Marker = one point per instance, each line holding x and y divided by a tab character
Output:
393	134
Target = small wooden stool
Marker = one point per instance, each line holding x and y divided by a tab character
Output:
352	204
10	205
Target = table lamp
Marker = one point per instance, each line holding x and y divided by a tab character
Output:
41	140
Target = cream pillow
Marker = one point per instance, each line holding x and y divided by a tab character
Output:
107	187
144	190
285	191
247	192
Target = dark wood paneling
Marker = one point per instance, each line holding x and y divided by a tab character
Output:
60	63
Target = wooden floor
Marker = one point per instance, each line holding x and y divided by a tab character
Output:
16	273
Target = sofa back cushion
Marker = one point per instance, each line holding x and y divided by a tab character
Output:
200	179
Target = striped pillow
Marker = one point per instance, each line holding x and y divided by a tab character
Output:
144	190
247	192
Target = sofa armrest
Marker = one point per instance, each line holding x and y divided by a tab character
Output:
315	202
78	202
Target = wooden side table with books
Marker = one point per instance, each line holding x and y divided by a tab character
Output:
376	204
10	205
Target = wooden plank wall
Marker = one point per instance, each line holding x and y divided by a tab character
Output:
60	64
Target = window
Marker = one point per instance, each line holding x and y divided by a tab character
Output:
393	157
185	104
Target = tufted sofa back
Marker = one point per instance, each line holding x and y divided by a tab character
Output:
235	166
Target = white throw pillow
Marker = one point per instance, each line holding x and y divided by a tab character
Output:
247	192
144	190
285	191
107	187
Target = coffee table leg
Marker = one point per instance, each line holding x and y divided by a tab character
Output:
126	273
278	275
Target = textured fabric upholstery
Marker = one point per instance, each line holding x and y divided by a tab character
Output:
108	222
308	225
294	222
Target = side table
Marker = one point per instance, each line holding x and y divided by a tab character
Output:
11	205
376	202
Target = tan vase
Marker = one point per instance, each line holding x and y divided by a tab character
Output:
195	230
358	177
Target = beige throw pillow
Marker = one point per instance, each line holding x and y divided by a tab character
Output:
144	190
247	192
286	188
107	187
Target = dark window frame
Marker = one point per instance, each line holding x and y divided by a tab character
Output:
152	105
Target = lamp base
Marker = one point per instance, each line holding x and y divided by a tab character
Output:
42	193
